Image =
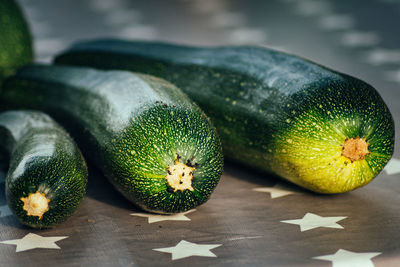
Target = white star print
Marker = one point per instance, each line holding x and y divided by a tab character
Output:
311	221
336	22
276	191
312	8
360	39
5	211
243	35
227	19
381	56
393	167
345	258
152	218
32	241
187	249
393	76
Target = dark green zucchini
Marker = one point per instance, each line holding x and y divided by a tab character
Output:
154	145
16	47
318	128
46	179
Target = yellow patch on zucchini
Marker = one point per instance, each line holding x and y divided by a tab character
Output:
321	157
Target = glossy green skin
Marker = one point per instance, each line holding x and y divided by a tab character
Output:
42	158
132	126
16	47
274	111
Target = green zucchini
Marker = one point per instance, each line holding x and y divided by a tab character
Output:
16	47
46	179
154	145
318	128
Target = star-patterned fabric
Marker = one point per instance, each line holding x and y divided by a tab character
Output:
345	258
152	218
393	167
32	241
311	221
5	211
277	190
187	249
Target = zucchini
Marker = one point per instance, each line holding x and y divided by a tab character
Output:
46	179
15	38
154	145
318	128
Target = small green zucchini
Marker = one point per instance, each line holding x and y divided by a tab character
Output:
16	47
46	179
318	128
154	145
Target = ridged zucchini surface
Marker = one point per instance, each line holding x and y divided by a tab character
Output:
16	47
47	175
323	130
155	146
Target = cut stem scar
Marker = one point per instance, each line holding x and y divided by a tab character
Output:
180	176
35	204
355	149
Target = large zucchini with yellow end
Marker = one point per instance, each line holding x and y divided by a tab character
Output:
318	128
154	145
16	47
47	175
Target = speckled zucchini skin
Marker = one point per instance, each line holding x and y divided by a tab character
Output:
42	158
133	126
16	47
274	111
